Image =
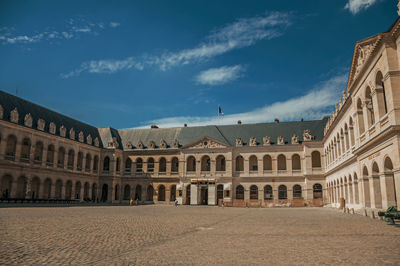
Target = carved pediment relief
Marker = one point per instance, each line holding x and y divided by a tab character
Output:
129	145
140	145
63	131
206	143
40	124
96	142
163	144
266	140
152	145
89	139
52	128
295	139
253	141
239	142
72	133
280	140
14	116
28	120
176	143
1	112
81	138
307	135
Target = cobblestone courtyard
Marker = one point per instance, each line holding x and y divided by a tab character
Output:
193	235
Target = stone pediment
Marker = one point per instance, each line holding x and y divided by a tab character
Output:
362	53
205	143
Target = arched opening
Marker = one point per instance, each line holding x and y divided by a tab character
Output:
281	162
161	193
188	195
95	163
6	182
127	192
346	137
47	188
351	129
138	193
70	163
366	188
116	192
139	165
106	164
220	192
21	187
297	192
162	165
118	164
35	186
94	192
205	163
370	107
191	164
25	150
267	163
381	94
61	157
150	165
172	193
239	163
174	165
50	155
68	190
282	192
254	192
253	163
268	193
37	157
11	147
317	191
239	192
220	163
58	188
88	162
316	159
78	187
104	193
376	185
150	193
79	163
86	188
391	194
360	116
296	164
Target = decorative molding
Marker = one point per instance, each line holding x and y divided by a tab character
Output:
239	142
28	120
129	145
163	144
307	135
253	141
89	139
72	133
280	140
140	145
295	139
52	128
176	143
152	145
14	116
96	142
81	137
41	124
266	140
63	131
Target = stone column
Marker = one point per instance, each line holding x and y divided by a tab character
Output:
375	192
365	192
167	194
246	167
388	190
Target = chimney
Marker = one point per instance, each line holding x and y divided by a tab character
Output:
239	122
185	125
276	120
154	126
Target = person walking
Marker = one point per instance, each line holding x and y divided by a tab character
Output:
131	202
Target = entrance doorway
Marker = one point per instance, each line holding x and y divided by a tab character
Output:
204	196
104	193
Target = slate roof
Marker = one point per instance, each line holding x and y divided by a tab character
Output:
9	102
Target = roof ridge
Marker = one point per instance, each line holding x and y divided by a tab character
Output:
227	141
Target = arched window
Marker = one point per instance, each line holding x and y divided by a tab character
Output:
297	192
220	163
388	165
116	196
161	193
35	187
282	192
106	164
254	192
6	182
351	129
150	193
86	188
316	159
118	163
25	150
281	162
239	163
240	192
70	163
95	163
37	157
88	162
268	194
172	196
150	165
253	163
205	164
162	164
375	169
68	190
267	162
346	137
220	192
128	165
79	163
21	187
47	188
78	190
360	116
50	155
61	157
58	189
139	165
370	107
191	164
11	147
296	165
127	192
174	165
381	94
317	191
138	192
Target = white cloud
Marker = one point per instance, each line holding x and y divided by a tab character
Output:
241	33
221	75
313	105
355	6
105	66
114	24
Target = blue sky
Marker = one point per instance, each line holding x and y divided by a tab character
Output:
135	63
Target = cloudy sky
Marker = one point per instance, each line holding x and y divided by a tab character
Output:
131	64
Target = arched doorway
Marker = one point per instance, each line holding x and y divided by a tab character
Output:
161	193
6	182
104	193
47	188
68	190
138	192
172	196
35	187
150	193
94	192
21	187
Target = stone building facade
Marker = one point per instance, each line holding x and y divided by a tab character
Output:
350	157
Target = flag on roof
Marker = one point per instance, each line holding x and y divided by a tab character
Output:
220	111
